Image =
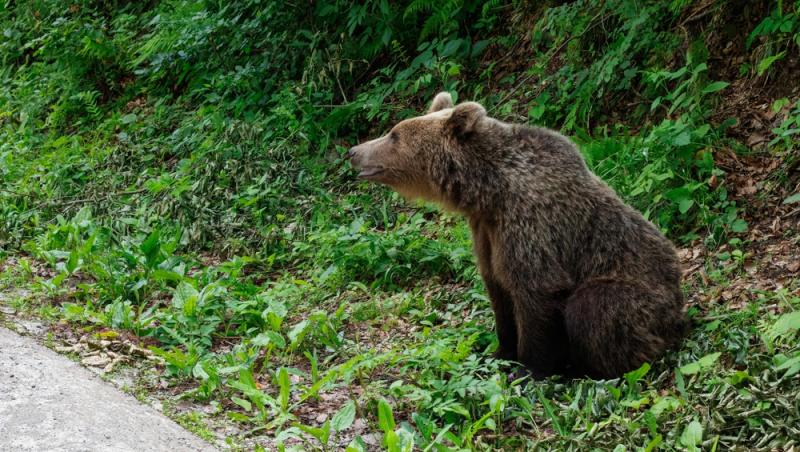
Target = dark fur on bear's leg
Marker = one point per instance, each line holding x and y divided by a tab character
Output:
504	321
542	342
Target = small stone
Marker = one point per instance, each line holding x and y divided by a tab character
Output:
32	327
96	361
322	418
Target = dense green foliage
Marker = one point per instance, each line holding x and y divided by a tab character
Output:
180	164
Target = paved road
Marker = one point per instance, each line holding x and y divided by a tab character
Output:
49	403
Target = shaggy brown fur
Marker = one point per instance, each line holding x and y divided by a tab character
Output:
580	283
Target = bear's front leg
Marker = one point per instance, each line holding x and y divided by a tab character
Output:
505	325
502	304
542	343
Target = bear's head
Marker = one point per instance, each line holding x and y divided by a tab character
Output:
404	158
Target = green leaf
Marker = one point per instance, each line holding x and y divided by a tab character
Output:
739	226
778	105
653	443
269	337
685	204
677	194
72	262
242	403
682	139
385	416
635	375
764	64
297	332
185	298
151	248
199	372
392	441
701	364
285	387
792	199
451	47
275	313
551	413
356	445
692	435
322	434
128	119
791	365
344	418
160	274
424	425
666	403
714	87
479	47
785	324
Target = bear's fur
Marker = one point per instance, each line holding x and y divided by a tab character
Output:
580	283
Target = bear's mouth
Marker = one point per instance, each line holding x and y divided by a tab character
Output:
370	171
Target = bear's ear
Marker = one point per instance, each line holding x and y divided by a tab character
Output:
441	101
464	118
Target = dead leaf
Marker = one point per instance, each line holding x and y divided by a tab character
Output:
749	188
755	139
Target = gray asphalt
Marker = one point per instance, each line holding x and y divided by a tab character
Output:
49	403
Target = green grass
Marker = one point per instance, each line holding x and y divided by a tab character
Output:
194	423
175	169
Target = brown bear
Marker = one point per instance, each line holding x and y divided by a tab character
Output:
580	283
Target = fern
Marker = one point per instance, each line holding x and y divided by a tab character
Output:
440	15
446	16
89	100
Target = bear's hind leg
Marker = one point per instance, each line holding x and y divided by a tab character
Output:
616	326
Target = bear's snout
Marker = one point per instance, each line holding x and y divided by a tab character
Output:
362	158
355	156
